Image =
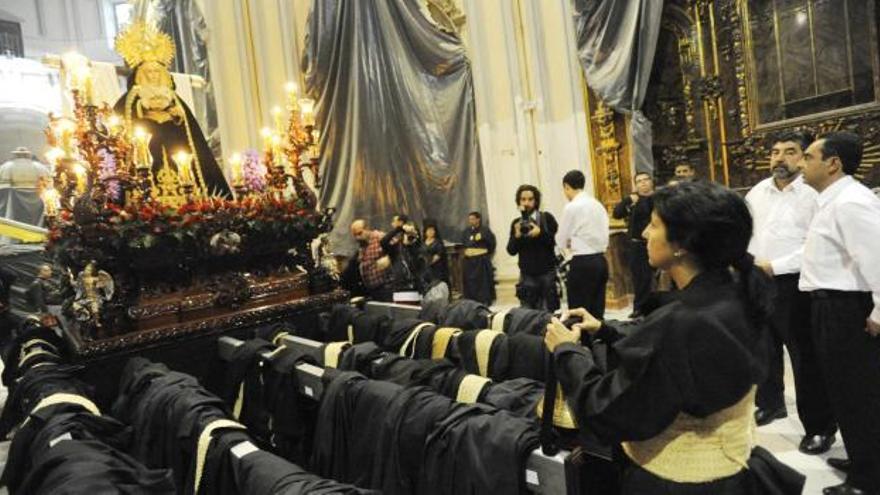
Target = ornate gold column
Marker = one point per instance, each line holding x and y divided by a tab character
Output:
612	176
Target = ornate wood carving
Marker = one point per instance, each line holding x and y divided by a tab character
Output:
210	324
712	43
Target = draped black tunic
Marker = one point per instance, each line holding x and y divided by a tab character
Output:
698	354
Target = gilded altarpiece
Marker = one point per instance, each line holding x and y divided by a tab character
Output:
727	75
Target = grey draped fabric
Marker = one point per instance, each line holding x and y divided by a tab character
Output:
22	205
395	106
616	41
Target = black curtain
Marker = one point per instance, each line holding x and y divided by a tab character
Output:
396	113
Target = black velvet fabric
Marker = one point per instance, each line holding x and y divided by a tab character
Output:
168	411
348	429
478	449
35	385
292	415
529	321
92	460
400	331
341	316
528	356
260	472
369	327
499	357
467	315
520	396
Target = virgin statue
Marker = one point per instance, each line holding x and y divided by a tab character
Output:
152	104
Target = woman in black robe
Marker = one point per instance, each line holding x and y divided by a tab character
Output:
152	104
478	274
434	252
678	391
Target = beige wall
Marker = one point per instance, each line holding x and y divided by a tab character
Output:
530	109
58	26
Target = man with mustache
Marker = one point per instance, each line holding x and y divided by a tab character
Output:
782	206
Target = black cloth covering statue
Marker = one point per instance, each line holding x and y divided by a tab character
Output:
151	103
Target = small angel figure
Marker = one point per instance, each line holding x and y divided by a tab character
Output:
225	242
93	288
326	259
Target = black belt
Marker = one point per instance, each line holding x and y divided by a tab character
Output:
838	294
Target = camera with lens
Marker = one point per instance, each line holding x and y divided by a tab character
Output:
525	224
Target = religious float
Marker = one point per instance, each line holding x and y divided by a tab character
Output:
155	246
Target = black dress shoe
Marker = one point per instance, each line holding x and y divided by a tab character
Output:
843	489
839	463
816	444
767	416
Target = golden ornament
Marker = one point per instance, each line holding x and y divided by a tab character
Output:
142	42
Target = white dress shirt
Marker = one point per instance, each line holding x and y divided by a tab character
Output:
584	226
781	219
842	251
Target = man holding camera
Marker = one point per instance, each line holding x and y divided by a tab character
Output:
531	238
402	244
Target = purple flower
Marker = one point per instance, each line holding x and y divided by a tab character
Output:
253	171
106	173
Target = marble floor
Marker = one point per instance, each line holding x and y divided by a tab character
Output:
780	437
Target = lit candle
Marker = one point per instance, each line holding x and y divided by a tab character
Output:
184	167
80	171
235	165
114	123
266	134
63	129
54	155
291	88
276	147
51	200
307	107
143	158
276	116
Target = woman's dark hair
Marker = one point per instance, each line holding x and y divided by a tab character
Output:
430	223
714	225
535	192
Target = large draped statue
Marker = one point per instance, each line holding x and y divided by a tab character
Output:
151	103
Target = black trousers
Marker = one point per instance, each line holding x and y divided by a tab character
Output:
641	271
587	278
790	326
850	359
538	291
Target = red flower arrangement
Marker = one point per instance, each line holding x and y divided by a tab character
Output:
159	236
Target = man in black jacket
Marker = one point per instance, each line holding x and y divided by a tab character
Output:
531	237
636	210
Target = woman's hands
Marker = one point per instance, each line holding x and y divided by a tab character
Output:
557	333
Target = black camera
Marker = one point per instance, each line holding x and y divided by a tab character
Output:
525	224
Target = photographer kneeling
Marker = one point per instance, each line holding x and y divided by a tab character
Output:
531	237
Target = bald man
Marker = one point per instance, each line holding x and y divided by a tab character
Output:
373	263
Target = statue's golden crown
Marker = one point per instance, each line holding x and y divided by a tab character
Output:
142	42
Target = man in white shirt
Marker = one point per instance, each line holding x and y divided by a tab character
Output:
782	207
583	231
840	269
